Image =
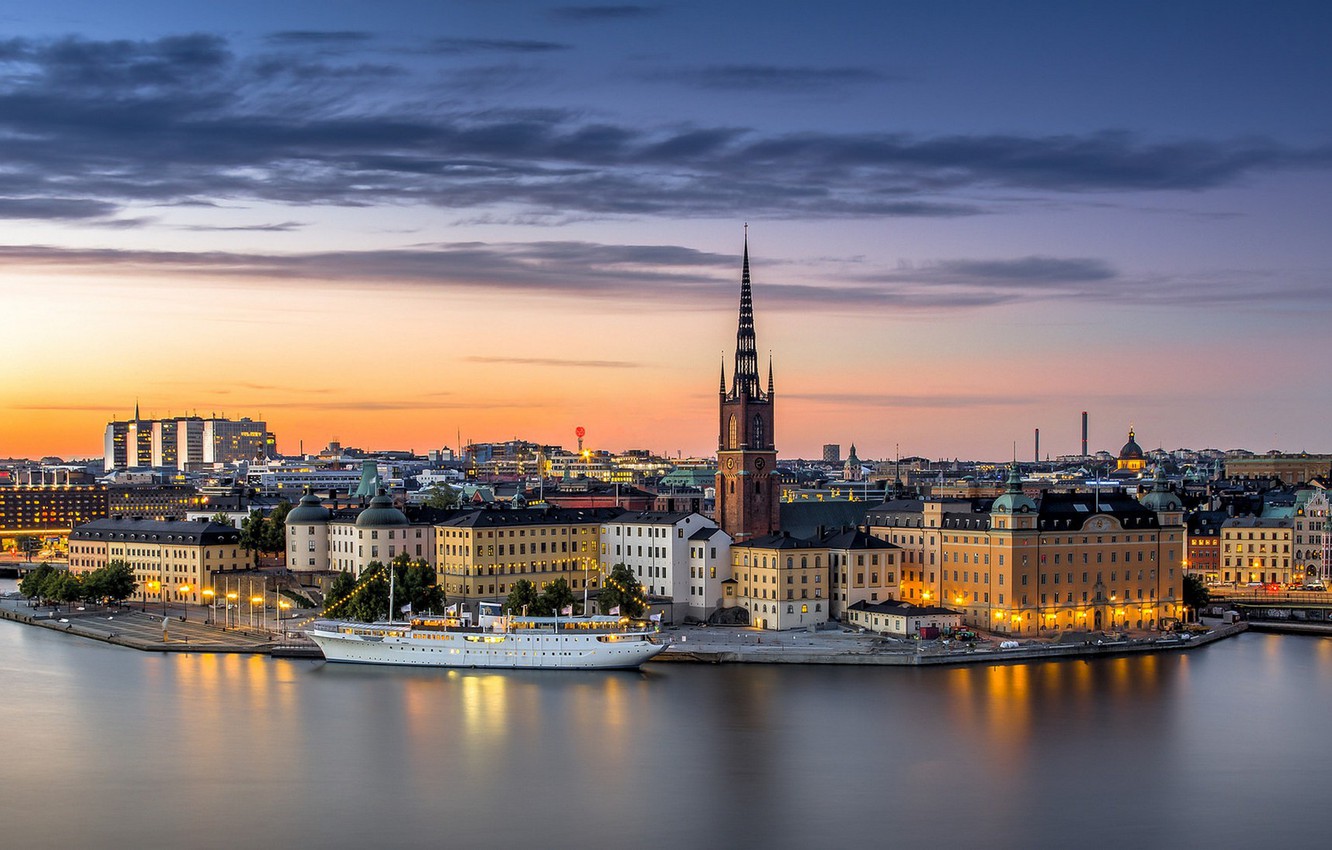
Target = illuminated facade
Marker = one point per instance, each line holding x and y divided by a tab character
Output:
1256	550
1131	457
184	442
481	554
782	581
173	560
1313	536
47	511
1073	561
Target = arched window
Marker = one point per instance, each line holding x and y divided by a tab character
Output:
731	433
756	438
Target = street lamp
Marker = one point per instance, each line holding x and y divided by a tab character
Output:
156	587
210	599
232	596
283	605
184	591
256	600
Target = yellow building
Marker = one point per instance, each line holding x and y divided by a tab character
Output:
1131	457
783	581
481	554
1257	550
173	560
863	569
1075	561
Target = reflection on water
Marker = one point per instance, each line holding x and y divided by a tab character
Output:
227	751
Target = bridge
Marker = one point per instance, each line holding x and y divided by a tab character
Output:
1289	611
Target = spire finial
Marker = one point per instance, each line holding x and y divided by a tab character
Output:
745	379
770	390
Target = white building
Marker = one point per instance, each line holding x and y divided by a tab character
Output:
655	545
709	567
317	539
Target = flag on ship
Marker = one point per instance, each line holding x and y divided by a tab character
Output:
656	618
406	609
566	611
615	611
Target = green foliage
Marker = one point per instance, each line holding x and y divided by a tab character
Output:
33	583
275	529
441	496
415	585
1196	594
301	600
222	519
623	589
523	595
344	584
62	586
555	597
252	533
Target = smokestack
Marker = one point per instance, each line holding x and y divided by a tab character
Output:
1038	445
1084	433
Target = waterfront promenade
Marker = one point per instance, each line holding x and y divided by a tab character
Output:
143	630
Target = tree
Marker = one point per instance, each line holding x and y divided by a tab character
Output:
441	496
1196	595
555	597
416	585
623	589
344	585
32	584
275	529
522	597
62	586
222	519
252	534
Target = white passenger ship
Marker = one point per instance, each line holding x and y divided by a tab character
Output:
576	643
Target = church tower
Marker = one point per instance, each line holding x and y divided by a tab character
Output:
748	490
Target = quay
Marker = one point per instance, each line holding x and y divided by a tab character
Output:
731	646
143	631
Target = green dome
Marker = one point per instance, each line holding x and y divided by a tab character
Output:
309	509
380	514
1014	501
1160	498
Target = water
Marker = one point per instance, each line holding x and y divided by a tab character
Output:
108	747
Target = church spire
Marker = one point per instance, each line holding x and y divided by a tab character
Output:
745	381
722	386
770	374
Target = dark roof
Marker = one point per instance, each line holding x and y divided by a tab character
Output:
901	609
855	538
781	540
1071	510
655	517
196	532
1206	523
531	516
706	533
1255	522
807	519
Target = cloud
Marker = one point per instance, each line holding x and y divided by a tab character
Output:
183	120
554	361
586	14
771	78
319	37
951	401
494	45
277	227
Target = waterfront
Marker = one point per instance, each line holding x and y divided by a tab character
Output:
115	748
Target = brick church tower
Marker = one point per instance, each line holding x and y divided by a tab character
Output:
748	490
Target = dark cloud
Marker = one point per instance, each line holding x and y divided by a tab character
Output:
555	361
583	14
669	277
54	208
772	78
278	227
950	401
181	120
320	37
494	45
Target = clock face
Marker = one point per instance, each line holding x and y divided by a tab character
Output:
730	463
759	463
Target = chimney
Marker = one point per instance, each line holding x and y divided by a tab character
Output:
1084	433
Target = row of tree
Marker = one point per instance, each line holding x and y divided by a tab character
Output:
367	598
113	583
622	591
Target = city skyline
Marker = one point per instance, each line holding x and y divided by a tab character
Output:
401	226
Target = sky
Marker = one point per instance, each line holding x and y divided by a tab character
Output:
406	224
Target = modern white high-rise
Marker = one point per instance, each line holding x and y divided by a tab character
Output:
185	442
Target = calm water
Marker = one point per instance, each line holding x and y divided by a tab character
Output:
107	747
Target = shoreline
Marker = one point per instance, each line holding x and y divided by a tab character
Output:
711	646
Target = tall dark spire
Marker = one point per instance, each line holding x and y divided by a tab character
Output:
722	386
770	390
745	381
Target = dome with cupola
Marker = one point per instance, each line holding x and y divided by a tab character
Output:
309	510
1131	457
381	514
1159	498
1013	500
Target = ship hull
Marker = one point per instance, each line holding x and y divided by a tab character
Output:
516	651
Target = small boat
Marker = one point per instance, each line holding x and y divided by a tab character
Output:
595	642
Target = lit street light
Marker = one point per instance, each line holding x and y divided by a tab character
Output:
210	599
184	591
